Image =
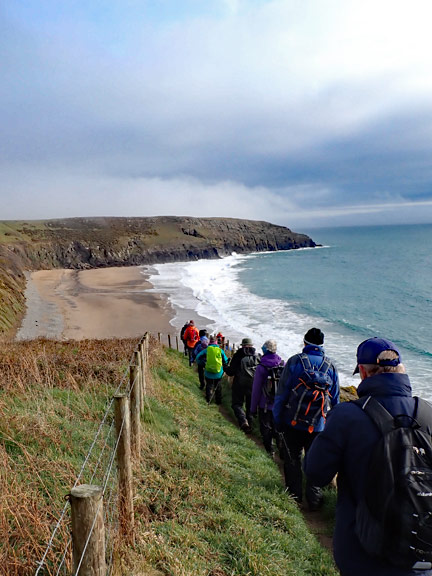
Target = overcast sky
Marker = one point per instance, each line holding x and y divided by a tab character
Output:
300	112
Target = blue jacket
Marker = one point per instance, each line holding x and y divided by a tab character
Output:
289	379
259	399
202	345
201	358
344	448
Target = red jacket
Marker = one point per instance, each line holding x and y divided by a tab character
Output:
191	336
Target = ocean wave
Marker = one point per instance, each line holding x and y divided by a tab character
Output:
223	291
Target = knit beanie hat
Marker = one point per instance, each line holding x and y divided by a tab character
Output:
314	336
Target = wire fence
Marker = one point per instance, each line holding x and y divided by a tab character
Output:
98	469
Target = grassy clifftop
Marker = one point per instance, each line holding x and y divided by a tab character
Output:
208	500
99	242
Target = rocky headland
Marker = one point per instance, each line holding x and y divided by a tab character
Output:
82	243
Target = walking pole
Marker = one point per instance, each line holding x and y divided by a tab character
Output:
213	393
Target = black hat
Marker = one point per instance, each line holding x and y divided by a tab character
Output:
314	336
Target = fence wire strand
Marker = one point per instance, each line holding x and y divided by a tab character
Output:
104	461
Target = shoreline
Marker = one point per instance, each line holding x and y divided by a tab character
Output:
96	303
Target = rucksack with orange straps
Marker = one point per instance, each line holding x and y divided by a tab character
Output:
309	400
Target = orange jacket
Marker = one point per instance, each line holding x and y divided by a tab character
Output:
191	336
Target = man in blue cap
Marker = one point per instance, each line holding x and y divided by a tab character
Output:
345	448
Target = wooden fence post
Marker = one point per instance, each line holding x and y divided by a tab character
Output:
145	365
88	531
177	343
135	407
139	362
146	345
169	341
143	374
159	337
122	424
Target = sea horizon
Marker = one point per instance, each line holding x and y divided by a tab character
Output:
360	282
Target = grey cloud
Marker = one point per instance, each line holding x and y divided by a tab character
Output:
208	101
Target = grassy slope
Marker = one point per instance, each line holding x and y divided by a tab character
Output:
208	500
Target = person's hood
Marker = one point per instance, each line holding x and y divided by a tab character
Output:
270	360
314	350
385	384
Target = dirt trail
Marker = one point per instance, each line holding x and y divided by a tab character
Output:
314	520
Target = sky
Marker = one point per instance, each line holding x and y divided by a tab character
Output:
304	113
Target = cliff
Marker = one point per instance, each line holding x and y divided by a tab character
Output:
100	242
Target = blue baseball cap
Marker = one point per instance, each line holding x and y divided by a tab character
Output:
369	350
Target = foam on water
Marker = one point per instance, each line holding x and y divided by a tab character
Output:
216	290
212	288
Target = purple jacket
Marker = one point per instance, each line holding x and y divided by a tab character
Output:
259	399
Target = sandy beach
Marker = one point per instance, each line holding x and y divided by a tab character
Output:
99	303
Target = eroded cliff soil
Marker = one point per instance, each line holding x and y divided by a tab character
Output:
100	242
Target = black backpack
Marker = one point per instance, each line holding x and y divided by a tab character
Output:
309	399
394	517
248	365
183	330
271	385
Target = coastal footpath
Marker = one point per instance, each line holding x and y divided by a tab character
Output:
86	243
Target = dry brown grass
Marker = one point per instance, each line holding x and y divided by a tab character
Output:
52	397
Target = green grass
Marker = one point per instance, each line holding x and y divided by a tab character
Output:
208	500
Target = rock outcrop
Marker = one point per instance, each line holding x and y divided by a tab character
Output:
100	242
80	243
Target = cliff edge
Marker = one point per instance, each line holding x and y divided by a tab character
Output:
80	243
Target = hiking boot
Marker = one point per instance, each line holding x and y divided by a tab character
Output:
315	505
245	427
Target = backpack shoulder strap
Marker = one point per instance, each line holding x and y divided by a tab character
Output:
382	419
307	364
325	365
305	360
423	413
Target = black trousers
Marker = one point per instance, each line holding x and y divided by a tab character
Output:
241	396
293	444
267	429
213	390
201	377
190	355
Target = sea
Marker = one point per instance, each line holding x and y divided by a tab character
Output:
359	283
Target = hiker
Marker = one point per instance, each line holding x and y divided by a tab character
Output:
201	345
264	389
214	361
182	338
242	368
346	447
308	387
191	336
220	339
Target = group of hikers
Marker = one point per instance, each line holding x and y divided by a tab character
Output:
378	447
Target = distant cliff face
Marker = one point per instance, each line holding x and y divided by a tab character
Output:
100	242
